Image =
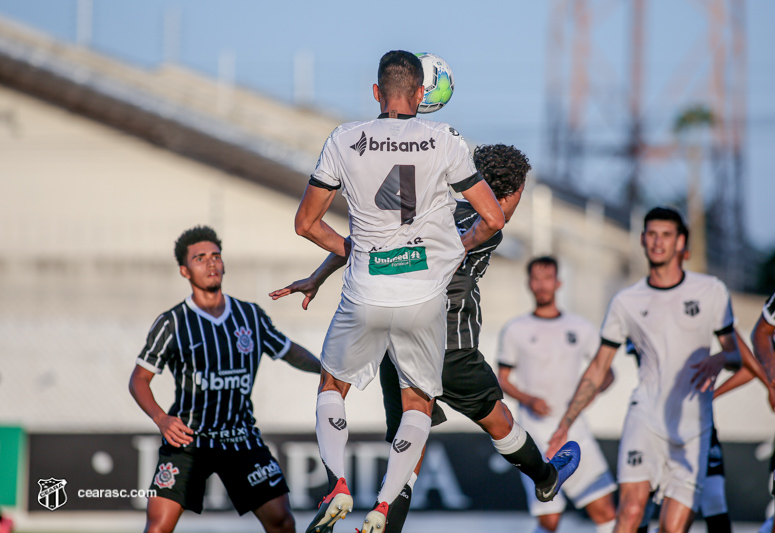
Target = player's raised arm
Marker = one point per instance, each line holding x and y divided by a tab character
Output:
310	286
309	219
589	386
490	220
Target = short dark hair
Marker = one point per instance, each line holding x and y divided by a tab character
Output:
504	168
191	236
399	74
667	213
545	260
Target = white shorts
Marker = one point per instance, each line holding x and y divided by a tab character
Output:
674	471
413	336
591	481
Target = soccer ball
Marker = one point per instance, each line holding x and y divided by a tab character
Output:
439	83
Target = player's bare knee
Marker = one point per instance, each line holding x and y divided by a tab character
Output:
630	512
281	523
549	522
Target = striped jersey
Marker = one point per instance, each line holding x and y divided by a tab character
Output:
395	174
768	311
214	362
464	313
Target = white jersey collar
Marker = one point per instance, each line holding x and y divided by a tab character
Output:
217	321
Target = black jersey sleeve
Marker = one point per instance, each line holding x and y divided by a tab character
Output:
273	342
160	345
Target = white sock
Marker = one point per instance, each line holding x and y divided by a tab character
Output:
607	527
412	480
331	429
512	442
405	451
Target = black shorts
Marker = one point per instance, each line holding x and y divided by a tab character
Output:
251	477
715	456
470	388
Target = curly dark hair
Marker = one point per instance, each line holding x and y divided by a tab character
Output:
503	167
191	236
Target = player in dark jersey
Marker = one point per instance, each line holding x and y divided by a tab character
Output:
762	339
213	345
470	385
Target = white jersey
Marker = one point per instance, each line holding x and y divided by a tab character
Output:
671	330
548	356
395	174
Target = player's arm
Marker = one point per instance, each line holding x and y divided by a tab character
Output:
310	286
299	357
729	357
751	369
172	428
309	219
490	219
761	337
537	405
589	386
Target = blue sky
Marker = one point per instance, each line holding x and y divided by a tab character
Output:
498	52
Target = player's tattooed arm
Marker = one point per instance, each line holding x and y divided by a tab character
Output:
310	286
761	337
589	386
172	428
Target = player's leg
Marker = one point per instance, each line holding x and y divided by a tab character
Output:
162	515
602	512
675	517
179	483
398	509
355	343
633	498
548	523
417	338
714	505
713	502
471	388
255	483
275	515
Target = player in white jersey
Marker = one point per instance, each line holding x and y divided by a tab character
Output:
541	356
762	339
395	172
670	317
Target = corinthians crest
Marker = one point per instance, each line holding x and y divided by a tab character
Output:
244	340
52	494
692	307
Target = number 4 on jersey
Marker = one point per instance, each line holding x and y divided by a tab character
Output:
397	193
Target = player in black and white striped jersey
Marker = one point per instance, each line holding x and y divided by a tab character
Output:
762	337
212	344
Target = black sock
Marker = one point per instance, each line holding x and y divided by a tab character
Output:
397	511
719	523
332	479
643	529
530	461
